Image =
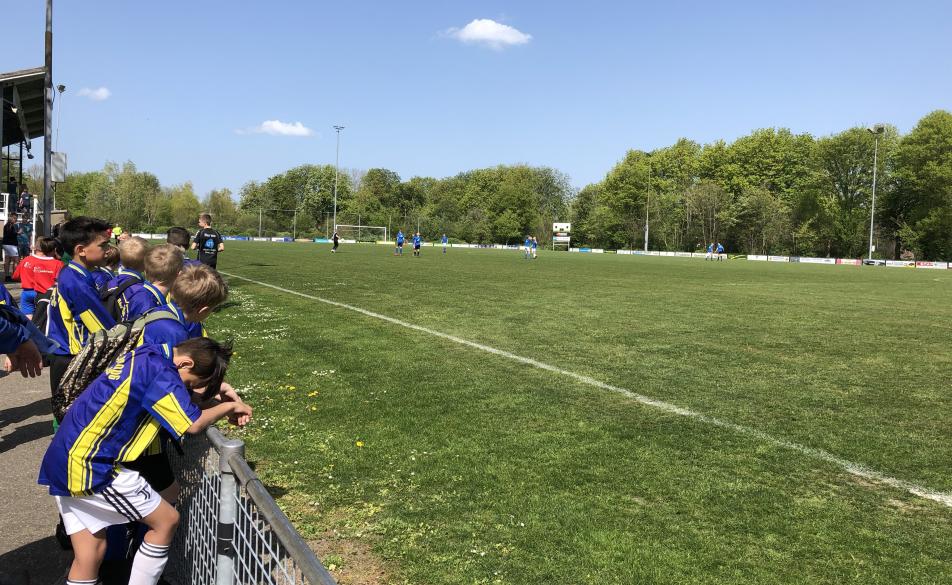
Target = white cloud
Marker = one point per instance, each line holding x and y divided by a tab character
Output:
97	95
495	35
279	128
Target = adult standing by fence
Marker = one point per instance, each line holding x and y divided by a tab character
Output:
11	252
207	241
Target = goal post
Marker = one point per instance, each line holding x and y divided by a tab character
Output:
363	233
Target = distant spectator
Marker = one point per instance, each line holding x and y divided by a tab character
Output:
24	236
11	252
25	203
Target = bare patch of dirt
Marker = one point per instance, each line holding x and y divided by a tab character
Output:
351	561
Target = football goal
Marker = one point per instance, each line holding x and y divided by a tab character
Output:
362	233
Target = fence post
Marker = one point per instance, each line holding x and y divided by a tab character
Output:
227	511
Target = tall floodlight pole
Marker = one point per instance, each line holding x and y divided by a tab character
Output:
336	174
48	123
647	203
875	130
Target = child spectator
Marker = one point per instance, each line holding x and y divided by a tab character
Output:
535	248
131	266
195	293
106	272
37	273
336	240
162	265
444	241
75	310
207	241
24	236
83	466
179	237
417	240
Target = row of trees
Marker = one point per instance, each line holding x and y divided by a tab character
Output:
771	191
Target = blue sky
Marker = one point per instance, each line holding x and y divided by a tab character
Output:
423	91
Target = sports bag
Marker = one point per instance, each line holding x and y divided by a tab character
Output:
103	349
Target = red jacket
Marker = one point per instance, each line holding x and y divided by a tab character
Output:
38	272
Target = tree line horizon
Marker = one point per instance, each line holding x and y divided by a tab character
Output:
768	192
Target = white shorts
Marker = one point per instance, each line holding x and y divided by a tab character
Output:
9	251
129	499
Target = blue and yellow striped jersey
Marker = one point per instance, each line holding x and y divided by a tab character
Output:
114	420
75	310
143	297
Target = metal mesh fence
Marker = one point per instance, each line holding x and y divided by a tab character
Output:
231	530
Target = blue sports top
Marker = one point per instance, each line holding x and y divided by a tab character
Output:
75	310
143	297
445	239
5	297
416	240
400	237
122	276
101	276
114	420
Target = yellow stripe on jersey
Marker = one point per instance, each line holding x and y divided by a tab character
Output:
171	411
143	438
73	334
91	321
79	467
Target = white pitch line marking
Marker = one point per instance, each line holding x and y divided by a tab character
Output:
850	467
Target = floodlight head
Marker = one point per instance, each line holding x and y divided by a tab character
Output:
29	155
61	88
877	129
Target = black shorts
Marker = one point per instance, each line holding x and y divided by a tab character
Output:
211	262
155	469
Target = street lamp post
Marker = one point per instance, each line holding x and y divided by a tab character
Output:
336	173
876	130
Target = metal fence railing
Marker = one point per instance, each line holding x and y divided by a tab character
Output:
231	530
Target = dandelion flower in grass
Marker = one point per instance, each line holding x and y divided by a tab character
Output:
313	408
359	443
312	394
292	388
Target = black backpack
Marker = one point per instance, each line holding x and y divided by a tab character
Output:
110	297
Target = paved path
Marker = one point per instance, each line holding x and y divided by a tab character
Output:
29	555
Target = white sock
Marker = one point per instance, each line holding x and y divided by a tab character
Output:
82	581
149	563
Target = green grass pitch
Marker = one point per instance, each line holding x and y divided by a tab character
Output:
455	465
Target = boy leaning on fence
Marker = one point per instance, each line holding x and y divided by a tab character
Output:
199	289
112	422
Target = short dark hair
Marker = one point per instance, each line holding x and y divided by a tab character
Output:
81	232
47	245
178	236
211	360
206	217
